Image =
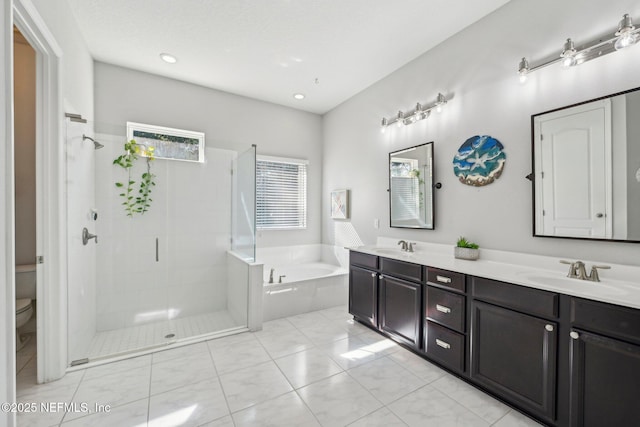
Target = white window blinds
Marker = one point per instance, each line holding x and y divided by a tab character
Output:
281	193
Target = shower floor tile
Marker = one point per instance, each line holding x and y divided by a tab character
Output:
152	334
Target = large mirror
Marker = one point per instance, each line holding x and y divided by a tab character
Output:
586	176
411	187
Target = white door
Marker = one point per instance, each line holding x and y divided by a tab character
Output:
573	183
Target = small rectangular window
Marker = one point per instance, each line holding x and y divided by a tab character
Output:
281	193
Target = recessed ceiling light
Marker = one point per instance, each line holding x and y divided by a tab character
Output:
168	58
298	96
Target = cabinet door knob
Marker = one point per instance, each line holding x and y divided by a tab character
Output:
574	335
443	279
443	309
549	327
373	274
443	344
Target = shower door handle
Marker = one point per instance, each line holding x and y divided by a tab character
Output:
157	251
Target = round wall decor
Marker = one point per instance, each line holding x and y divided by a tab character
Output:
479	161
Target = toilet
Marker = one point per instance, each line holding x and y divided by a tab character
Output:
25	297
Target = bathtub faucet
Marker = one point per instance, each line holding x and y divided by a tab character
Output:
271	275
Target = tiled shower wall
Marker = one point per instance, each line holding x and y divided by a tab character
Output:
190	217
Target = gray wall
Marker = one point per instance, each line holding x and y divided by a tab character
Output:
229	122
24	58
476	70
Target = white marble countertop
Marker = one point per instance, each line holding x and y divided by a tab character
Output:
620	285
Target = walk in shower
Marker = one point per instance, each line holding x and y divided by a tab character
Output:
160	277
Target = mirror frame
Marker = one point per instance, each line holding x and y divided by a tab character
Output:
531	176
433	187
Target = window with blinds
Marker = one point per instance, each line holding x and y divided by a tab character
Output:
281	193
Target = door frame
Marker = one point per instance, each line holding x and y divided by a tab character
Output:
7	221
50	203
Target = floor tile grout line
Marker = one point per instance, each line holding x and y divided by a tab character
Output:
224	394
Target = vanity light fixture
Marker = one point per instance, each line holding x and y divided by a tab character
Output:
420	112
626	35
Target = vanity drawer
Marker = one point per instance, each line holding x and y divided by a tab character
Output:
404	270
363	260
445	308
446	278
607	319
520	298
444	346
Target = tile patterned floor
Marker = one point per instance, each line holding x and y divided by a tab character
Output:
139	337
315	369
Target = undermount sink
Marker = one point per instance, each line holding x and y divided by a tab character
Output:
557	279
391	251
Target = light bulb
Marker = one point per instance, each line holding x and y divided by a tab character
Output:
383	125
625	32
569	61
439	109
625	41
523	78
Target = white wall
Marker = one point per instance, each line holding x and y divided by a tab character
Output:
477	70
77	63
229	122
25	149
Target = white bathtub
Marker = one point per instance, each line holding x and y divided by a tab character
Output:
314	279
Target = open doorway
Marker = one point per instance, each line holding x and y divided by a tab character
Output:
24	86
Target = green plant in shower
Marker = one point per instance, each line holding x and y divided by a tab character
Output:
140	201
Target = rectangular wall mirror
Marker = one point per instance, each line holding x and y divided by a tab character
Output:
411	187
586	169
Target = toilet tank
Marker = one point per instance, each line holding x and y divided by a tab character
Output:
26	281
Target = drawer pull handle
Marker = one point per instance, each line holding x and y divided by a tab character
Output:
443	308
549	328
443	344
574	335
443	279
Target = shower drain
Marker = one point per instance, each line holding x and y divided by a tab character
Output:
170	335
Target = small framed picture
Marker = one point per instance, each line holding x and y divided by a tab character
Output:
340	204
168	143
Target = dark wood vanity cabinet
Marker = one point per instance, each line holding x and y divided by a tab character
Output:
564	360
513	347
400	306
400	310
445	318
363	288
604	364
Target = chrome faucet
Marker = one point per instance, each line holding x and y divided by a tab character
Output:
403	244
271	275
577	270
280	278
410	247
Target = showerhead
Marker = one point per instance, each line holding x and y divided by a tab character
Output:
96	144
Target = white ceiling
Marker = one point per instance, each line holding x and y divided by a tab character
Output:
271	49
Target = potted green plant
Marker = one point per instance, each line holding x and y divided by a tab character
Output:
465	249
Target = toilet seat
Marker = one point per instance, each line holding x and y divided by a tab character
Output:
22	305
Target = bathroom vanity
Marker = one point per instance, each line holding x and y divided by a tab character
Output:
553	350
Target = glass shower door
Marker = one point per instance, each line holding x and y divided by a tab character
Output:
243	206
